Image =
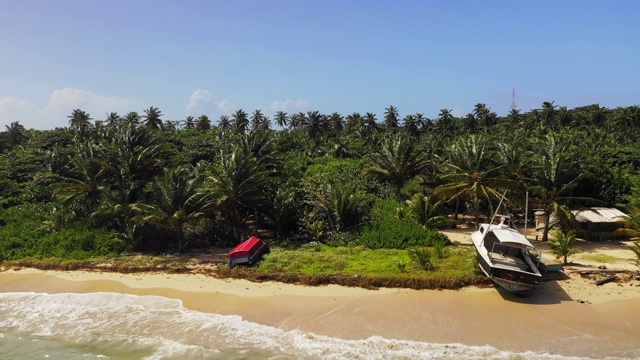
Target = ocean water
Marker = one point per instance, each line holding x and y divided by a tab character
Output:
121	326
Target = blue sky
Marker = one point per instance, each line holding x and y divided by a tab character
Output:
213	57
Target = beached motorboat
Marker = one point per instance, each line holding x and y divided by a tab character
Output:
248	251
503	255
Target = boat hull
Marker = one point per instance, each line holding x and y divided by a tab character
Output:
508	279
247	252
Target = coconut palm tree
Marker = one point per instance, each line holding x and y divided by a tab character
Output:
336	123
514	116
281	213
355	122
563	245
370	122
181	203
446	123
189	123
315	125
224	123
556	172
80	123
84	187
410	125
397	160
237	187
548	113
16	133
203	123
152	117
391	118
240	121
132	118
113	119
472	173
282	119
428	213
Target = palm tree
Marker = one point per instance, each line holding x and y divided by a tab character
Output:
240	121
181	203
370	122
563	245
426	213
189	123
80	122
281	214
556	172
152	117
84	186
355	122
411	125
391	118
514	116
548	113
336	122
564	116
446	124
113	119
132	118
16	133
238	187
339	207
397	161
259	121
315	124
296	120
128	160
281	119
473	173
224	123
203	123
481	113
598	114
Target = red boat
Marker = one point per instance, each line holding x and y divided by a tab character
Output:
247	252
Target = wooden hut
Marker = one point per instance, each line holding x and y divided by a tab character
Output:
600	224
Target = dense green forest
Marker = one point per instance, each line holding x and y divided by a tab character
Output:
141	183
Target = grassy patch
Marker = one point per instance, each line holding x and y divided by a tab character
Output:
359	260
602	258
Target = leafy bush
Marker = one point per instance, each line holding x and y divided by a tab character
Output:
421	256
29	232
387	231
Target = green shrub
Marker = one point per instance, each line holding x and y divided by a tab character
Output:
29	233
422	257
387	231
440	248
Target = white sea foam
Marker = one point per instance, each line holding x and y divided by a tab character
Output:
159	328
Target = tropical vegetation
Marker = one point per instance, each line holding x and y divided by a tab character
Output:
113	184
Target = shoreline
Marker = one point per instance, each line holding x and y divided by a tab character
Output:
550	319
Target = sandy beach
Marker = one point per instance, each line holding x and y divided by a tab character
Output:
569	315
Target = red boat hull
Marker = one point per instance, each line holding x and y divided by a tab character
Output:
247	252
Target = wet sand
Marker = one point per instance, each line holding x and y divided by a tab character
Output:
570	317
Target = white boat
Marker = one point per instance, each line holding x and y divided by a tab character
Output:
503	255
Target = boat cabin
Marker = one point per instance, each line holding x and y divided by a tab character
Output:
506	247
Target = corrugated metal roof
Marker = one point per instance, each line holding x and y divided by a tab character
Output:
599	215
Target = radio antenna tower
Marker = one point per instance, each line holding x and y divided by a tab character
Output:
513	99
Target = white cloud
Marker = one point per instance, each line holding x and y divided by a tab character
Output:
61	103
64	101
202	102
14	109
290	106
458	112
